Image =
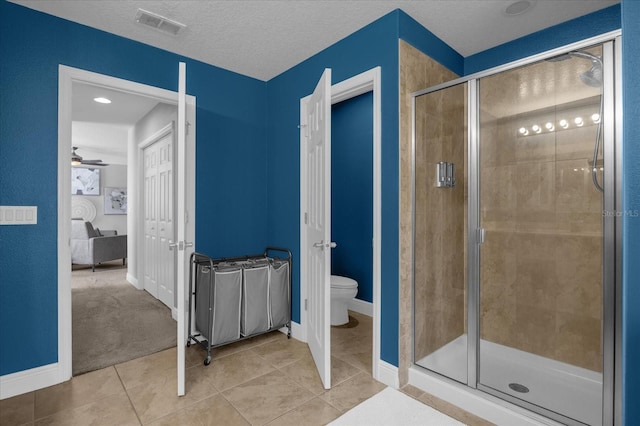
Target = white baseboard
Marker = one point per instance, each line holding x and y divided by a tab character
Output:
29	380
388	374
133	281
362	307
296	331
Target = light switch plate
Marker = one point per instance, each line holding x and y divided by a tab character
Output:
18	215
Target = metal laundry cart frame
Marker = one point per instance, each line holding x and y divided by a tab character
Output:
197	259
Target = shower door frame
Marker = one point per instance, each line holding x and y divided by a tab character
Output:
611	227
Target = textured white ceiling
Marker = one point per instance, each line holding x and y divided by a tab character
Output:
263	38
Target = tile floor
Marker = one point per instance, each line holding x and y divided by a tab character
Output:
267	380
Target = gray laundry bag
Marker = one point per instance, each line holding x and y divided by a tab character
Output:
255	298
218	300
279	292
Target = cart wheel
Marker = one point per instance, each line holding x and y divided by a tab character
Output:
189	344
207	360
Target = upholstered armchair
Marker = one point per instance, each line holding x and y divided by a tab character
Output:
89	247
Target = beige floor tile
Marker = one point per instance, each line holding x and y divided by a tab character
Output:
267	397
281	352
360	358
312	413
412	391
352	392
109	411
158	397
18	410
78	391
236	347
141	370
304	373
452	410
234	369
212	411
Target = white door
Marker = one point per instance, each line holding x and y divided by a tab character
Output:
166	269
318	225
159	279
181	246
150	161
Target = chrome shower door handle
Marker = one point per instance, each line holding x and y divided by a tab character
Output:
319	245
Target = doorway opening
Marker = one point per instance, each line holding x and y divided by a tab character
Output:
367	82
69	80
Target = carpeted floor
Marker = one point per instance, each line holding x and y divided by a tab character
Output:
114	322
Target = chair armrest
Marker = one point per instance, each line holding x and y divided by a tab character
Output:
105	249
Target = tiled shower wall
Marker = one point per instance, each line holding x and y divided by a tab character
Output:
541	269
541	264
417	72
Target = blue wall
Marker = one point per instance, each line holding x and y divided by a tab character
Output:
231	195
591	25
631	203
352	192
374	45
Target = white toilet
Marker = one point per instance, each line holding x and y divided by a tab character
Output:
343	289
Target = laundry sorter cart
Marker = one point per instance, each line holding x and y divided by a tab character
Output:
231	299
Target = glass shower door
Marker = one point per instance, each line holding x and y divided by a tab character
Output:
440	187
540	206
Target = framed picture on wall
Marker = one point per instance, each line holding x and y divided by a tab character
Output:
85	181
115	200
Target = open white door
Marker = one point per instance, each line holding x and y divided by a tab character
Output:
317	143
181	245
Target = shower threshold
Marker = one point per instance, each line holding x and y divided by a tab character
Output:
556	386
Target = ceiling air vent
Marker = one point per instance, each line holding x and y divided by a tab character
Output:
159	22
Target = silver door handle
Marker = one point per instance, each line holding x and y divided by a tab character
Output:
186	244
172	245
322	244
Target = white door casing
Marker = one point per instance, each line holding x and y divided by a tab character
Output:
317	250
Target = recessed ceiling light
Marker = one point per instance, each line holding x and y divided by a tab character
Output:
519	7
102	100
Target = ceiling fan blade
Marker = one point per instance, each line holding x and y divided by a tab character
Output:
94	163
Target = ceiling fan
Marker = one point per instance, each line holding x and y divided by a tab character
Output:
77	160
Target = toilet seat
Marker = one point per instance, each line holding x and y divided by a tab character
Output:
338	281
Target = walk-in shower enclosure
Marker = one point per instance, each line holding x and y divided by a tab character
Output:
514	269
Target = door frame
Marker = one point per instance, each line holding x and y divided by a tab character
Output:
66	77
368	81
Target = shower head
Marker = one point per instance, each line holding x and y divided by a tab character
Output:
591	77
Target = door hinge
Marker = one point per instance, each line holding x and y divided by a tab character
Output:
187	128
306	218
306	304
